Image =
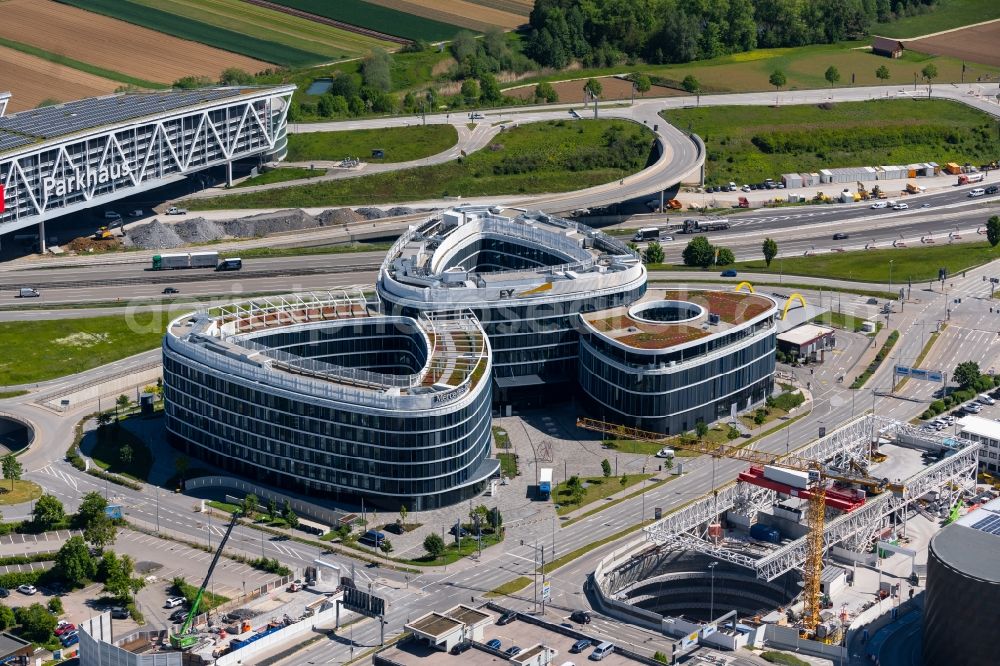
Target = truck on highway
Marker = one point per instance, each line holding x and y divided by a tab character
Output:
27	292
646	234
967	178
697	226
163	262
545	483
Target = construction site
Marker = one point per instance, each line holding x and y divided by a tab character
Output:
808	551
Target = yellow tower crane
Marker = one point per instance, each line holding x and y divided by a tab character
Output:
812	568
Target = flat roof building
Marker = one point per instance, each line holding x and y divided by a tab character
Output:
987	433
807	341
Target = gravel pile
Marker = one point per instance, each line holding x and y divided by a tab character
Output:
270	223
153	236
199	230
400	210
338	216
371	213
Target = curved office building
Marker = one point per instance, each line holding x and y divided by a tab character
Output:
525	275
962	606
674	358
319	394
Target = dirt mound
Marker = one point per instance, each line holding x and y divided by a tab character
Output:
338	216
153	236
400	210
198	230
371	213
270	223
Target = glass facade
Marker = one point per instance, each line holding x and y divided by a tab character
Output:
671	390
343	451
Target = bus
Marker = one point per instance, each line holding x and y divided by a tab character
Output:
647	233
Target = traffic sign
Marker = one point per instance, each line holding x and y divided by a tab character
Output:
920	373
546	590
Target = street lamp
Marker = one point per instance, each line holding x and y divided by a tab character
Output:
711	611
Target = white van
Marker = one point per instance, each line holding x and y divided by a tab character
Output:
986	399
978	192
602	651
880	204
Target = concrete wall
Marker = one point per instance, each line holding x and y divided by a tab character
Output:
302	508
290	634
787	638
97	650
109	388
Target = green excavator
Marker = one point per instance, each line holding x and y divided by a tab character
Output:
185	639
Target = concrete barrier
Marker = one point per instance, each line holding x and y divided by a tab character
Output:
110	387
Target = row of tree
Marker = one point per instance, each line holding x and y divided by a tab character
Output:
608	32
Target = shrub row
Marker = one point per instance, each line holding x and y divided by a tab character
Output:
956	398
890	342
27	559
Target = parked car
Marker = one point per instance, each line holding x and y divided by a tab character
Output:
459	648
119	613
506	618
64	628
178	615
728	273
987	400
173	602
26	589
602	651
580	646
460	530
512	651
70	639
4	593
493	644
372	538
581	617
665	452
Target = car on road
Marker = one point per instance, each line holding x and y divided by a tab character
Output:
26	589
512	651
580	646
170	290
925	206
728	273
872	301
580	617
665	452
493	644
993	189
459	648
174	602
64	627
506	618
900	206
666	238
119	613
840	235
880	204
978	192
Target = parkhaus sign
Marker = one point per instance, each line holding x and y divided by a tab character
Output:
84	179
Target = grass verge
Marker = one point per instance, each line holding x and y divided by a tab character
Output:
281	175
510	587
453	553
606	505
16	492
35	351
783	658
189	592
6	395
942	15
107	453
80	65
920	357
565	559
508	464
553	156
749	144
783	285
594	488
882	354
399	144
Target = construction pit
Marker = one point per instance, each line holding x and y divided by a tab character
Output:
732	569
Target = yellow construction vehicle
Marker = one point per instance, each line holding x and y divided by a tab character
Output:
103	234
816	494
862	192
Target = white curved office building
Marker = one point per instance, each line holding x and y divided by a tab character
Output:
527	276
320	394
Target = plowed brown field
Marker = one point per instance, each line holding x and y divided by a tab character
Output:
32	80
979	43
457	12
112	44
611	88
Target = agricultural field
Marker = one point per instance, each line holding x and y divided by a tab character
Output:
747	144
128	49
33	80
612	88
373	17
947	14
273	26
980	43
401	144
553	156
472	15
185	28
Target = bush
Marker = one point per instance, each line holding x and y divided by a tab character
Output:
55	606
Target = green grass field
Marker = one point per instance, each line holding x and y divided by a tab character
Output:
196	31
35	351
554	156
749	144
106	452
22	491
401	144
272	26
375	17
595	488
919	264
947	14
281	175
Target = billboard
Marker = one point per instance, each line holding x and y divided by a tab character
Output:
361	602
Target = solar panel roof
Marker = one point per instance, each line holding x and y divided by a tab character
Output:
54	121
8	141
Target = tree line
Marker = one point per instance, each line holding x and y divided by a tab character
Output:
603	33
